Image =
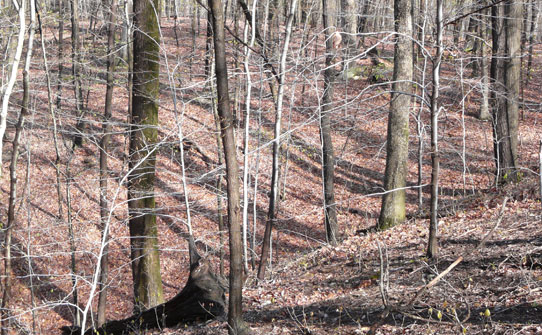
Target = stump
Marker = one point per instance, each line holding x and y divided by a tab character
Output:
201	299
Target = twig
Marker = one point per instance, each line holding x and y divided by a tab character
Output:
453	21
404	308
460	258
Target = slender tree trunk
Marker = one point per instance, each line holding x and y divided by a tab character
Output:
496	82
104	170
274	192
532	34
60	53
21	9
393	210
76	73
512	75
143	141
235	314
484	104
209	74
432	249
6	298
328	158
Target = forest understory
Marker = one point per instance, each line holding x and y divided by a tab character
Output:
311	287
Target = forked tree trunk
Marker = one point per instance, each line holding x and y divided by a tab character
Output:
393	210
143	140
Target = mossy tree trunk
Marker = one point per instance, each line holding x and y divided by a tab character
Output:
143	141
392	211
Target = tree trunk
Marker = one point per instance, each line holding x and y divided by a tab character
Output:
143	141
532	33
484	104
505	90
274	192
432	248
19	127
512	74
328	158
76	73
104	171
392	211
16	58
350	29
235	313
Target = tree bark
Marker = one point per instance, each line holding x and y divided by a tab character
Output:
6	94
392	211
432	248
76	73
143	139
235	313
505	87
350	28
328	158
104	170
484	104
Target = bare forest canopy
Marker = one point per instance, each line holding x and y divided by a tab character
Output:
271	166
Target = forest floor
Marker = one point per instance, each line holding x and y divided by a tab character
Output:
312	288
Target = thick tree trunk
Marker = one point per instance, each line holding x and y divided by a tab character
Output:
143	139
392	211
505	87
104	171
235	313
328	158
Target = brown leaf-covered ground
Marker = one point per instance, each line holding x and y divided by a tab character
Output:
312	288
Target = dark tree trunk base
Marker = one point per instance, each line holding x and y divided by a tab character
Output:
200	300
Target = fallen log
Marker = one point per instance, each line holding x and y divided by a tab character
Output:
200	300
